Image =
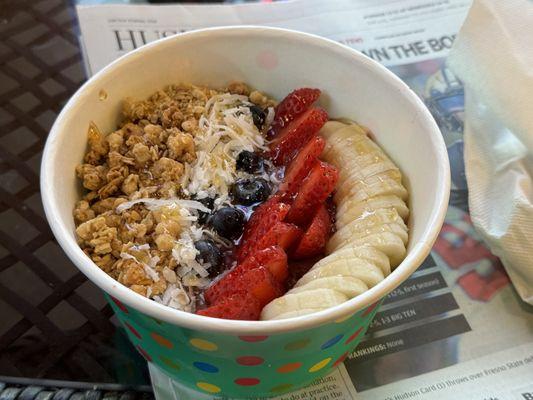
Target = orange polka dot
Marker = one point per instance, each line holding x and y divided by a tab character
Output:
160	340
289	367
169	363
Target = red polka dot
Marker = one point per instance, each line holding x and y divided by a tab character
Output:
351	338
253	338
341	359
133	330
144	354
250	361
370	309
121	306
247	381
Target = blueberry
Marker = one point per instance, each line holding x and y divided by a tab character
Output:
209	253
258	115
228	222
209	203
249	162
250	191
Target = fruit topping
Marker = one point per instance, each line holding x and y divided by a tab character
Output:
314	191
294	104
209	253
296	134
300	166
249	162
264	217
258	281
273	258
316	236
258	115
250	191
241	306
281	234
228	222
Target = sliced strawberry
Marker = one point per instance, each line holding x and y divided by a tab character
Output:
314	191
296	134
272	258
294	104
316	236
262	220
281	234
241	305
263	285
258	281
300	166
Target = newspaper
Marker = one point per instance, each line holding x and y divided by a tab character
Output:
456	328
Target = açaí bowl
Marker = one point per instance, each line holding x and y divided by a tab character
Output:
257	358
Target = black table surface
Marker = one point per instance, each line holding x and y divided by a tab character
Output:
54	324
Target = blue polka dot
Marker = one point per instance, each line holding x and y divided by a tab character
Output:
205	367
331	342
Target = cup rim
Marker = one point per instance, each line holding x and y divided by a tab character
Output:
197	322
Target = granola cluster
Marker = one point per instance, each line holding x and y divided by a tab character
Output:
145	247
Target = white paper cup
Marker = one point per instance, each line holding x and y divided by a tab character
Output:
275	61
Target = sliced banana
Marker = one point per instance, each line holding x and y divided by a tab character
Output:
360	190
370	254
317	299
330	127
347	285
371	233
349	211
354	267
381	220
386	242
298	313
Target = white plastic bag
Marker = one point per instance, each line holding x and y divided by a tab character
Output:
493	56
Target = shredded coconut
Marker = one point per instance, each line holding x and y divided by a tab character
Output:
226	129
154	204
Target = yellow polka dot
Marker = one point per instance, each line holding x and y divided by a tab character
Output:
208	387
338	321
203	344
319	365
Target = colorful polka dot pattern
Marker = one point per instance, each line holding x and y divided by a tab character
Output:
203	344
320	365
208	387
206	367
250	361
243	366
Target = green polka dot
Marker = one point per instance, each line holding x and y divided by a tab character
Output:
281	388
297	345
